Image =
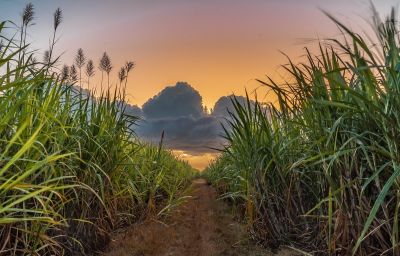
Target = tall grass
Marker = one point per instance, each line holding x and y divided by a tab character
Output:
71	167
320	169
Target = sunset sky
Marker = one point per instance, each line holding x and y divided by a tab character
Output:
217	46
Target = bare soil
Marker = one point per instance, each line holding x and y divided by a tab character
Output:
202	226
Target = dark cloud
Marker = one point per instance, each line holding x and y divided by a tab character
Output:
178	111
174	101
184	133
133	110
224	105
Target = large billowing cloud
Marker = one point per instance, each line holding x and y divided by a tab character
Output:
178	111
224	105
174	101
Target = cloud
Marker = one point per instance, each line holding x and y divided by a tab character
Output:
174	101
133	110
178	111
224	105
185	133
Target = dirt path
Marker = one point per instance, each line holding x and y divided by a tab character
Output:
200	227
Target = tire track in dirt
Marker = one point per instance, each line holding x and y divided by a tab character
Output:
202	226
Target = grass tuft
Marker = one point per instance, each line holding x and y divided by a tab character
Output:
71	167
319	170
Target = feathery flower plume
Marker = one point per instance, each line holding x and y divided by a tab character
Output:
128	67
27	18
80	60
89	70
121	74
46	57
105	65
65	73
57	18
28	14
73	74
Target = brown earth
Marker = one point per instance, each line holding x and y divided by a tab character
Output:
202	226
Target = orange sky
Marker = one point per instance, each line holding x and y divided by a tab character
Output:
197	161
217	46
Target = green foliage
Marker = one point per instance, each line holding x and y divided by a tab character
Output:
320	169
71	168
